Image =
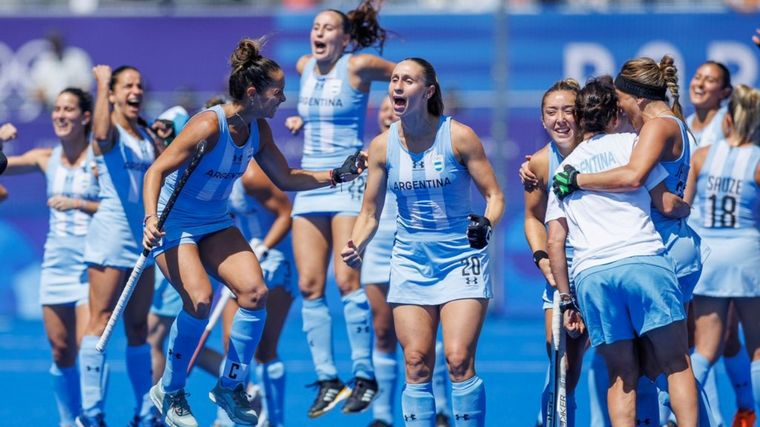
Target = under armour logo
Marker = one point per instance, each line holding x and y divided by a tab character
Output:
464	417
237	158
174	354
93	368
471	280
410	417
418	164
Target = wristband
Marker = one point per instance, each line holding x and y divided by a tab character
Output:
539	255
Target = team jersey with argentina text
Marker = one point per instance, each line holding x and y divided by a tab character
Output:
333	113
120	175
605	227
729	198
204	198
76	182
432	188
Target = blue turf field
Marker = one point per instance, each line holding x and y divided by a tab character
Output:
510	359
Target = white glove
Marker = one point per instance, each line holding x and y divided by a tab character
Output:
259	248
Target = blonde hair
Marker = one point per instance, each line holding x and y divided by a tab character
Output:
648	72
744	110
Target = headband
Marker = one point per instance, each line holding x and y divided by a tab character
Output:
640	90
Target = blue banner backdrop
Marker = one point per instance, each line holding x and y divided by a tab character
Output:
184	61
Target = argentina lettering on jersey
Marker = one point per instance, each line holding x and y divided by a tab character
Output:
76	182
206	191
333	113
432	188
728	196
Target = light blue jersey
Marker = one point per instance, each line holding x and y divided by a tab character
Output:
682	244
729	204
432	261
710	134
255	221
115	235
555	158
64	273
202	205
333	113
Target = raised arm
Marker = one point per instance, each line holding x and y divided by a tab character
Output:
365	69
271	160
103	135
372	205
470	151
646	153
258	185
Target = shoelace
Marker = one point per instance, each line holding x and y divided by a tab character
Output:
178	401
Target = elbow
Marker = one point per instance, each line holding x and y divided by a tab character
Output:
635	182
555	244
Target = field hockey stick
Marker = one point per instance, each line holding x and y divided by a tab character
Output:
121	305
225	296
551	403
557	404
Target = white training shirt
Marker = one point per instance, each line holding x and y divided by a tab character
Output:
605	227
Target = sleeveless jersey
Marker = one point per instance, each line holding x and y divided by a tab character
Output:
333	113
204	197
729	199
432	188
78	182
711	133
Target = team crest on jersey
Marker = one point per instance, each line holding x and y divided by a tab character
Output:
332	86
438	163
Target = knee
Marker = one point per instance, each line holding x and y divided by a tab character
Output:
253	297
311	287
347	281
460	363
385	337
63	354
136	330
417	369
199	303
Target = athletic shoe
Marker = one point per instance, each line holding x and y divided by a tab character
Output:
379	423
362	395
235	402
442	420
96	421
173	406
330	393
744	418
